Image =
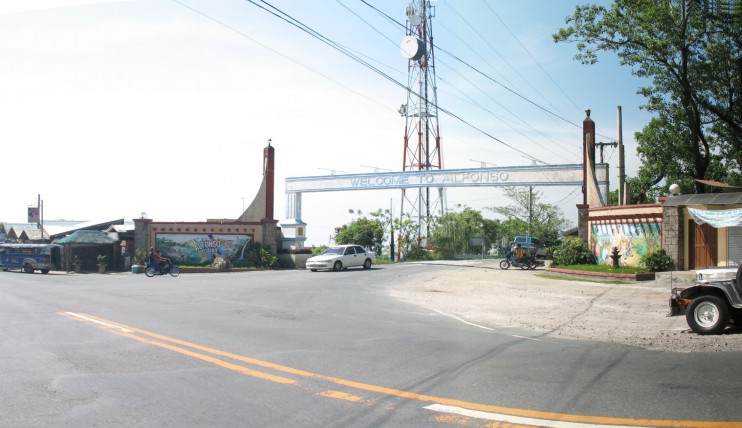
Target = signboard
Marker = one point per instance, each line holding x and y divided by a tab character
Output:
33	215
541	175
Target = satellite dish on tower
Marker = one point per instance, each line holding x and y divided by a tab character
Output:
412	48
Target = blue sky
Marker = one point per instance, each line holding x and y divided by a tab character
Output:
110	109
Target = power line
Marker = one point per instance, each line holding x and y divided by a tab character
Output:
278	13
465	63
505	25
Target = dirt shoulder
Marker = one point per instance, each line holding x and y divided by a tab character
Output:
629	313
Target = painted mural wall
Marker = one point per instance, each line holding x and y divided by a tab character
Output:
633	241
198	249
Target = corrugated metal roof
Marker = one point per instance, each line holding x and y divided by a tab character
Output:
87	237
704	199
96	225
34	234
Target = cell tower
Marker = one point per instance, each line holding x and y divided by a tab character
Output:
422	140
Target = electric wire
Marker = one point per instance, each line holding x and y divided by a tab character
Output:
298	24
476	70
503	119
263	45
472	102
505	25
278	13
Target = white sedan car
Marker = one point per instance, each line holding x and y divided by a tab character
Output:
342	257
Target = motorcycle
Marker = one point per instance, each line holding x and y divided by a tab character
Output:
526	263
153	269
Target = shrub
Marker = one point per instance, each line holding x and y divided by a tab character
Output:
221	263
573	252
259	257
140	257
549	251
657	260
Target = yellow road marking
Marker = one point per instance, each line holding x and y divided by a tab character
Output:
341	395
536	414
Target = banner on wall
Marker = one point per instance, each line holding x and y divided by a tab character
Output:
717	218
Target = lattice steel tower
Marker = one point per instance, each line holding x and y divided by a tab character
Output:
422	140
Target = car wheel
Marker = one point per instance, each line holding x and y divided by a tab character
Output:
707	315
313	270
367	264
504	264
45	271
27	268
337	266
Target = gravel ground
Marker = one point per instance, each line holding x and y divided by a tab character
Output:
632	314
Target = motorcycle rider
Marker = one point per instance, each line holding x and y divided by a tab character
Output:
519	254
155	258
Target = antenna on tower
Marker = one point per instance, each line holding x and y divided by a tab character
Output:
422	141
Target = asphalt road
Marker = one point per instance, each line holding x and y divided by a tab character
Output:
295	348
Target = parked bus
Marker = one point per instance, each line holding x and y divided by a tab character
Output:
31	257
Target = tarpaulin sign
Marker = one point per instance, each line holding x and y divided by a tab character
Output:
717	218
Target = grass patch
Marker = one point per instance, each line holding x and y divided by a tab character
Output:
604	268
563	277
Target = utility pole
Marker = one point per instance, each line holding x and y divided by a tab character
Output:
621	163
391	228
601	145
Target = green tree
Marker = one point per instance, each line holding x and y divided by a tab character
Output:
529	216
406	232
362	231
691	52
451	232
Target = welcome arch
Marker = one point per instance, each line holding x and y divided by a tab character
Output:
294	229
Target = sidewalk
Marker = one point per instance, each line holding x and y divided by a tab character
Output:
630	313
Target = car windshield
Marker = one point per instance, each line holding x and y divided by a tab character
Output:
334	250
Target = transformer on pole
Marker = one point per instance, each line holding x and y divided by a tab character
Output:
422	141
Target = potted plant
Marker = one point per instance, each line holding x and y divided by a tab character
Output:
140	261
101	263
76	263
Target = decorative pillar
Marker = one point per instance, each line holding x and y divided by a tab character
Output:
588	152
293	229
268	172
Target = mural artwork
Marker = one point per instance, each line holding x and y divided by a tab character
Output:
633	241
197	249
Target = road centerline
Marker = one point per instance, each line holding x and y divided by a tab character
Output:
575	420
